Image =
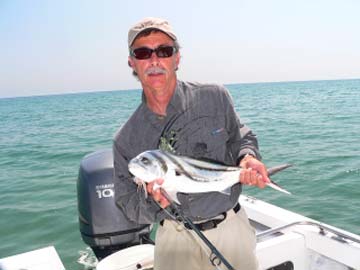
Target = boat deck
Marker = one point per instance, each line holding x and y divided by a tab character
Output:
287	240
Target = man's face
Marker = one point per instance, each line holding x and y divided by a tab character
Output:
155	73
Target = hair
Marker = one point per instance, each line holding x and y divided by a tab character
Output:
146	33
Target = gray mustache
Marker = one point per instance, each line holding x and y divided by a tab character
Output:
155	70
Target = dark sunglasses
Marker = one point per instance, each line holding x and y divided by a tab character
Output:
161	52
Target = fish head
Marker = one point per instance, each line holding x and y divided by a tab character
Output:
147	167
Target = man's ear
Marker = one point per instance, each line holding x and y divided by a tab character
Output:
177	59
130	62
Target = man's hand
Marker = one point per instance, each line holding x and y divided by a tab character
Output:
254	172
156	194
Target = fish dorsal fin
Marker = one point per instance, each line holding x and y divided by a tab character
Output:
179	165
192	176
209	165
198	170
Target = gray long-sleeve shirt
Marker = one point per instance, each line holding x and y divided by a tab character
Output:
200	122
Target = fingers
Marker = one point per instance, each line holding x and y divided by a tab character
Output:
160	198
252	177
164	202
154	190
150	187
157	195
254	174
263	172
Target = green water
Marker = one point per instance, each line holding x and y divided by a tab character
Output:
313	125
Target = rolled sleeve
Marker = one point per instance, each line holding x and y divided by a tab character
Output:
242	140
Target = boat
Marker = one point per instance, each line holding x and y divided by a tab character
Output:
45	258
285	240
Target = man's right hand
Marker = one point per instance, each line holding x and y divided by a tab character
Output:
156	194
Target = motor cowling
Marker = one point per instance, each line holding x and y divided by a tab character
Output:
103	226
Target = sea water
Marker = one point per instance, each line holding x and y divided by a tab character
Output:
313	125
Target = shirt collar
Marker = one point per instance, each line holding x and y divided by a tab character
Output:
176	105
177	101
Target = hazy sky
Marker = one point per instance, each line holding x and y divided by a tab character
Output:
49	47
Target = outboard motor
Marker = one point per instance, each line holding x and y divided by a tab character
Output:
103	226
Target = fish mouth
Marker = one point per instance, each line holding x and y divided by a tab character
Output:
133	168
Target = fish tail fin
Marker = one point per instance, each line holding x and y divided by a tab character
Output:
278	168
272	171
277	187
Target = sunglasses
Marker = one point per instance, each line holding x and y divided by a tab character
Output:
161	52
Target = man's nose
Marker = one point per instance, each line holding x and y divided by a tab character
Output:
154	59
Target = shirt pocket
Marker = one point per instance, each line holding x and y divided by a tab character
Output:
209	139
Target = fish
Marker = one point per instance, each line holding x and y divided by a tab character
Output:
188	175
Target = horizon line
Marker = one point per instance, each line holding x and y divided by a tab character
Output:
135	89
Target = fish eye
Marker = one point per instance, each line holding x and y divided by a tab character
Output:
145	160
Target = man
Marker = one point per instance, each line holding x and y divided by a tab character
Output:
196	120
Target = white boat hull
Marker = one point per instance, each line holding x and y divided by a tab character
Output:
40	259
284	236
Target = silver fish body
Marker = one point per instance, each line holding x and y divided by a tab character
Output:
183	174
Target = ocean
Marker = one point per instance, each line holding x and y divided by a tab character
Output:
313	125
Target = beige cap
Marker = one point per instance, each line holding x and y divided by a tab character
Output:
150	23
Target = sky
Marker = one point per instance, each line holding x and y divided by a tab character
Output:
70	46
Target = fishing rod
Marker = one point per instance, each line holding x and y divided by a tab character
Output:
185	220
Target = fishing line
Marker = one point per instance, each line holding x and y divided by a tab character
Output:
190	234
216	258
212	257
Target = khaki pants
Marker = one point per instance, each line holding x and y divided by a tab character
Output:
178	248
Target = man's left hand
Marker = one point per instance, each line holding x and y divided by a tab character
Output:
254	172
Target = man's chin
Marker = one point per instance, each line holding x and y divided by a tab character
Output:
157	80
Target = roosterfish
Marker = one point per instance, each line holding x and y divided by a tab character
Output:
188	175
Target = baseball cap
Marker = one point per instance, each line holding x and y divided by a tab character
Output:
150	23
